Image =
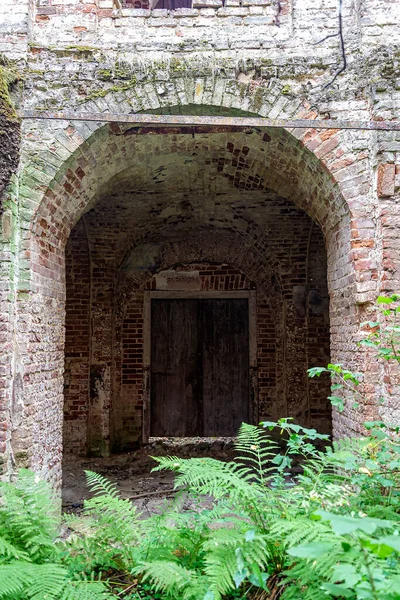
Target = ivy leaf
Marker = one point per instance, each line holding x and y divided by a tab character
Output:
345	573
373	424
316	371
371	324
337	591
381	550
239	577
391	540
386	299
338	402
250	535
239	559
257	578
268	425
311	550
369	343
343	525
346	546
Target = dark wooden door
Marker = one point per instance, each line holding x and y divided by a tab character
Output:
199	367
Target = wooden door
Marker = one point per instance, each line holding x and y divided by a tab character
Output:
199	367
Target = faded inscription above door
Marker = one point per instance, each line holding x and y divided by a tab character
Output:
199	367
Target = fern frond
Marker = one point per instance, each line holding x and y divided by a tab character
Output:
221	555
9	552
28	516
301	531
174	580
209	477
256	449
116	518
85	590
99	484
39	582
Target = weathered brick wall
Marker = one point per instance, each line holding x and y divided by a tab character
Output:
77	337
244	58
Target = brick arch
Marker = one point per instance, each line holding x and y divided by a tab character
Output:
274	159
314	169
56	173
221	247
277	161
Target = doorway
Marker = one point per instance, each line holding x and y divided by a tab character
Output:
200	366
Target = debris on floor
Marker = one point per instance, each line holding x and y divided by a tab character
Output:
131	472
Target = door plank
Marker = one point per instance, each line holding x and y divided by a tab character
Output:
225	342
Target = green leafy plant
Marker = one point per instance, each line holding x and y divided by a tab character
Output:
30	560
384	335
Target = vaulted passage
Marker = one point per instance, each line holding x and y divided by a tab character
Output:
197	296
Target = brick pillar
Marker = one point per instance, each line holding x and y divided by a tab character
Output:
101	360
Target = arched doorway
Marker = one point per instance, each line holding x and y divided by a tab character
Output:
188	205
257	201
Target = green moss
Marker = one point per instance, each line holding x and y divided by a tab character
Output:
8	75
177	66
114	88
105	74
80	48
285	90
258	98
243	90
21	455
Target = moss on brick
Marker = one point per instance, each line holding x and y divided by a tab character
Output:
7	77
9	126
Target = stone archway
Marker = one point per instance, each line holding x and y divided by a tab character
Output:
148	217
83	166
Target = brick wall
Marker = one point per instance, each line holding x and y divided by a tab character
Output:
77	339
88	56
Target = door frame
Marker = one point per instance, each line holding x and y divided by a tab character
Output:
250	295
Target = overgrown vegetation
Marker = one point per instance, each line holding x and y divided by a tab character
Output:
333	531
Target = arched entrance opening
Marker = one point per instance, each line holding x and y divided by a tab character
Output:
197	296
134	211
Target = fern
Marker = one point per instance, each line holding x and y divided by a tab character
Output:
254	528
8	552
174	580
229	552
36	581
110	529
255	452
30	557
244	481
28	517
